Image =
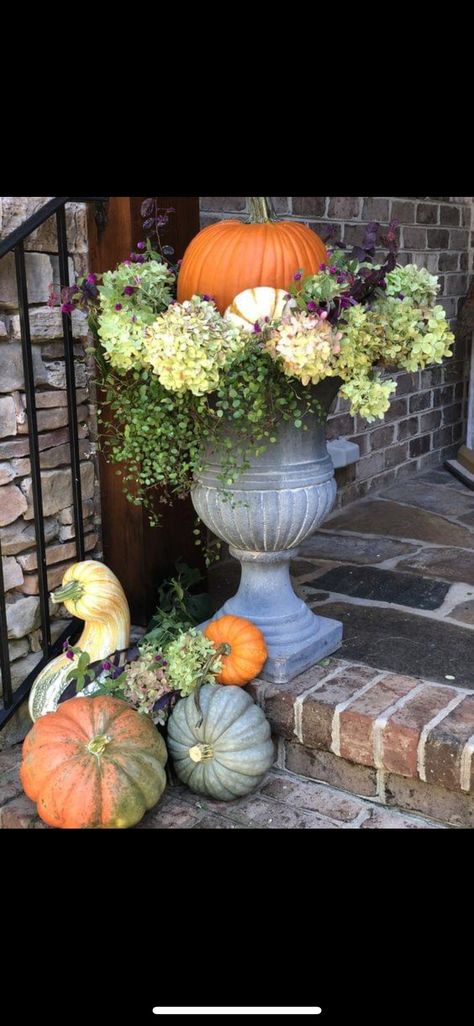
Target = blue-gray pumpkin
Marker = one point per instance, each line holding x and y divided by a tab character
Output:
227	754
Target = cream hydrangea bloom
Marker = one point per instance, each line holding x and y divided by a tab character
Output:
306	346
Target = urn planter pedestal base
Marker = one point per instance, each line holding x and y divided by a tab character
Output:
280	499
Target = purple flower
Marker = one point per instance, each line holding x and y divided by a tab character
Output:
106	665
69	654
256	328
311	305
165	662
118	306
206	298
141	245
67	308
126	263
297	276
128	290
340	279
322	267
288	295
140	259
333	270
66	646
91	279
133	318
158	658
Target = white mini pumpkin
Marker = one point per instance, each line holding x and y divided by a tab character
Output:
228	755
254	305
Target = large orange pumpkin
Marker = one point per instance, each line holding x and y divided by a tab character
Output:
228	257
94	763
242	646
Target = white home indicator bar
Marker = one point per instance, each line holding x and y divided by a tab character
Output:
226	1010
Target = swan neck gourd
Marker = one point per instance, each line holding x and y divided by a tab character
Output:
91	592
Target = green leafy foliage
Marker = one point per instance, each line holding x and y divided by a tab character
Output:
81	672
178	607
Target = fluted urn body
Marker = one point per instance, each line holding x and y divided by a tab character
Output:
281	499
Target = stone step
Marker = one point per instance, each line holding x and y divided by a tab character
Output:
400	740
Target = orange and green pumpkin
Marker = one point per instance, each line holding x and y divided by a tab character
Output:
228	257
95	763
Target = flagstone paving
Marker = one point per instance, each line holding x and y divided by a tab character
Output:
409	611
391	639
385	586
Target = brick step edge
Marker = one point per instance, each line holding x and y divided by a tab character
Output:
400	725
387	789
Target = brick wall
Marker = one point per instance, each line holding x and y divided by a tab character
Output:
17	530
427	417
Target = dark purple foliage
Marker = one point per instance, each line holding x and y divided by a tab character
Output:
155	223
368	280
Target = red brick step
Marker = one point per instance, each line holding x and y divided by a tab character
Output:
402	740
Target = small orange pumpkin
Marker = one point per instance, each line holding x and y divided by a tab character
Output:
228	257
94	763
244	651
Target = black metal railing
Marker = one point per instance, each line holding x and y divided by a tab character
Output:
15	243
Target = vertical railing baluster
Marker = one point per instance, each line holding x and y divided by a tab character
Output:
71	390
4	653
10	701
33	443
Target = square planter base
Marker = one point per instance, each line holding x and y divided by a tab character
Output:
283	666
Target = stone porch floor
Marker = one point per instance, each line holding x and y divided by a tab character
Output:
398	570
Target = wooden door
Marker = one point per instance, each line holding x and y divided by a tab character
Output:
140	555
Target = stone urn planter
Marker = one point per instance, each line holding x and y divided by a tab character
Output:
281	499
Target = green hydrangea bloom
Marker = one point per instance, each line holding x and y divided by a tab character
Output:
362	342
368	396
415	336
414	282
189	345
123	316
189	661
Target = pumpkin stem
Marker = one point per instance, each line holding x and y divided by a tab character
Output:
72	591
201	752
98	744
260	209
